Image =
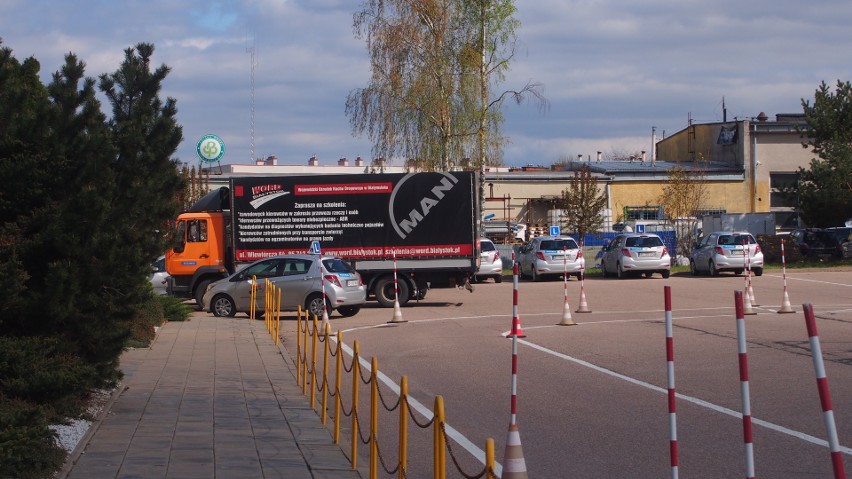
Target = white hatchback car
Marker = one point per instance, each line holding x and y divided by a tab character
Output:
551	256
726	251
301	278
490	264
636	253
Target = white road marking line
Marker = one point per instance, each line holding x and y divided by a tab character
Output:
699	402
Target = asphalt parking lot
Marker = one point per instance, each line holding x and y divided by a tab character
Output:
591	397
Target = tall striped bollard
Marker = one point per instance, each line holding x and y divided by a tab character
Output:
748	449
786	307
670	375
397	312
516	320
824	394
566	309
514	465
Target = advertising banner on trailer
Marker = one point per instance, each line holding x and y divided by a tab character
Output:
359	216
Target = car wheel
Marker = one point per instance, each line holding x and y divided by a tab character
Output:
648	274
738	272
535	276
498	278
713	270
604	270
313	305
200	289
348	311
385	295
666	273
223	306
620	272
692	268
758	271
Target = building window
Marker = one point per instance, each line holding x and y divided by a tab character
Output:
782	190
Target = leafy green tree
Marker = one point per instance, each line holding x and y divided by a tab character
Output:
683	197
825	188
435	65
583	204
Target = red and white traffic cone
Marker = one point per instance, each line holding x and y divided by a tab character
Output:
584	307
566	315
514	466
747	304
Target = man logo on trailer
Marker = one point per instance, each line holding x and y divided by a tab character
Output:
405	225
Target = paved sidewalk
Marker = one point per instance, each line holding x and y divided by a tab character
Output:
211	398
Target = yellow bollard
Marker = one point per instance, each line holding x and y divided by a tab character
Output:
298	347
374	419
489	459
324	413
305	361
278	318
253	306
403	426
314	363
338	369
438	442
356	372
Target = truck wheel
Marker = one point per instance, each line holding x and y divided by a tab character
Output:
384	292
200	289
348	311
223	306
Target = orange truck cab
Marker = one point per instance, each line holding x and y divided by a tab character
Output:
198	255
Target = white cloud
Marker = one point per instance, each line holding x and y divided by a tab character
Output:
611	69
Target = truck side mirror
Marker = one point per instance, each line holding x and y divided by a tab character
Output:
178	246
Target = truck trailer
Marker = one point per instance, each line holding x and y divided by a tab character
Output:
418	227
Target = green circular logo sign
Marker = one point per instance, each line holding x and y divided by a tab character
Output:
210	148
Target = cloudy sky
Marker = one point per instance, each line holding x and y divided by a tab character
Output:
611	69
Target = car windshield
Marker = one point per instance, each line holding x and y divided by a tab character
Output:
558	245
337	265
735	240
644	241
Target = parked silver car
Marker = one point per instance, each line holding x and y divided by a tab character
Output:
159	277
300	278
726	251
636	253
490	264
550	256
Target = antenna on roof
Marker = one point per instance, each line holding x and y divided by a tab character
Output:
253	51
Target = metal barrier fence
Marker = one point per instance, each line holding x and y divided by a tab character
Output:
308	346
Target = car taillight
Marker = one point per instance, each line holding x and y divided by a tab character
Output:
540	256
720	250
625	252
665	251
756	249
579	253
333	280
496	255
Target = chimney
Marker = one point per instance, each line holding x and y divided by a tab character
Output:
313	161
643	157
359	161
272	160
599	157
343	162
259	161
379	162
